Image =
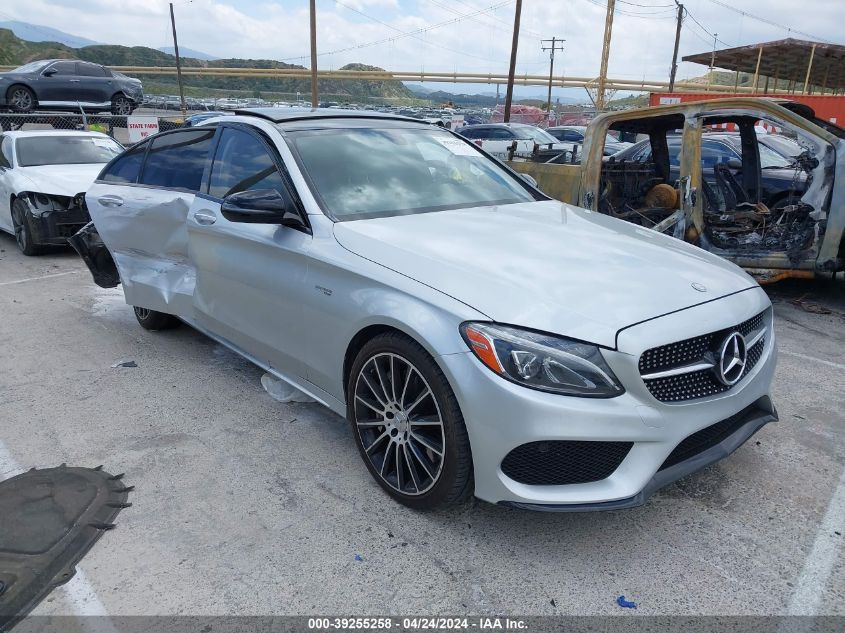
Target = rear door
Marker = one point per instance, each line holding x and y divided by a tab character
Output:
249	277
140	208
94	83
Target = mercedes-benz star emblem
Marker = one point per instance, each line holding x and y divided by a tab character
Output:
698	286
731	360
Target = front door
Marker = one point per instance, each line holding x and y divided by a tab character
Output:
250	277
59	84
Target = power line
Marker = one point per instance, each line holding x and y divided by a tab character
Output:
499	20
404	34
657	15
650	6
788	29
701	26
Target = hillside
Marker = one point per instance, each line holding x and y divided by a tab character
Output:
14	51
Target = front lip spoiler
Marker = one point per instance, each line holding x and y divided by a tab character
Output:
757	419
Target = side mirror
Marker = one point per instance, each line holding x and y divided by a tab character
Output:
260	206
734	163
49	72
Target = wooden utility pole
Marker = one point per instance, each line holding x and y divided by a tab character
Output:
512	69
677	43
712	62
554	44
605	55
178	63
314	101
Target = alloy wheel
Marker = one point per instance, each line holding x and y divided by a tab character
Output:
21	100
399	424
122	106
142	313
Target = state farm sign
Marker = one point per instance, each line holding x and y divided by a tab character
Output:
140	127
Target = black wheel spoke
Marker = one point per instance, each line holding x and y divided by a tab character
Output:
406	451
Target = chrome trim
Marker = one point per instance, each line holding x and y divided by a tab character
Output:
749	343
702	364
677	371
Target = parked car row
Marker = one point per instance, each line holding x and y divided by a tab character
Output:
480	337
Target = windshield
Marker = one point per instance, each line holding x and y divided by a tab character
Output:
65	150
535	134
31	67
364	172
770	158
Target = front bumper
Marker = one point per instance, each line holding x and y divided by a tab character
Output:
501	416
757	416
54	219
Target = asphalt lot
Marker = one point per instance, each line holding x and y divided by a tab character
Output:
245	505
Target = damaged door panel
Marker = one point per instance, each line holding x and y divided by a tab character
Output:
140	209
700	173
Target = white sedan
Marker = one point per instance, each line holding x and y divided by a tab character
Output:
43	178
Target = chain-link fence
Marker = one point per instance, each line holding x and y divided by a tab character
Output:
113	125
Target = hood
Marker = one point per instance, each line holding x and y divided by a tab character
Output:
61	180
546	265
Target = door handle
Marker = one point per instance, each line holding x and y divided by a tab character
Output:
110	201
75	81
205	218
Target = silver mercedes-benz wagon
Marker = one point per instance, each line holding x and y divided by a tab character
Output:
479	336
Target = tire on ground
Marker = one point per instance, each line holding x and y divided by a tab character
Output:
154	320
455	481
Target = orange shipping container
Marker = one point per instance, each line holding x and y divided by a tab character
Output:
827	107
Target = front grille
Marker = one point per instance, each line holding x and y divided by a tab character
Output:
559	462
703	382
707	438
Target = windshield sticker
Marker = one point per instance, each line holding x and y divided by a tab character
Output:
456	146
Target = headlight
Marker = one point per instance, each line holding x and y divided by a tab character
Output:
540	361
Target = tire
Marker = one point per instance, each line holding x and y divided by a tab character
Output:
23	229
153	320
20	99
121	105
397	437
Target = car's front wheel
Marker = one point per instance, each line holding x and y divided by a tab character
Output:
154	320
407	423
121	105
20	99
23	229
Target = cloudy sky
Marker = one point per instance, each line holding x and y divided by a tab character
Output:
443	35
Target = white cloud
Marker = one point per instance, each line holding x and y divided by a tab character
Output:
641	46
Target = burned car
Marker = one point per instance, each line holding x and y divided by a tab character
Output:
724	207
43	178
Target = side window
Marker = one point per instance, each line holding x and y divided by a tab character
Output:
713	153
470	133
5	151
127	166
500	134
241	163
63	68
177	160
90	70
